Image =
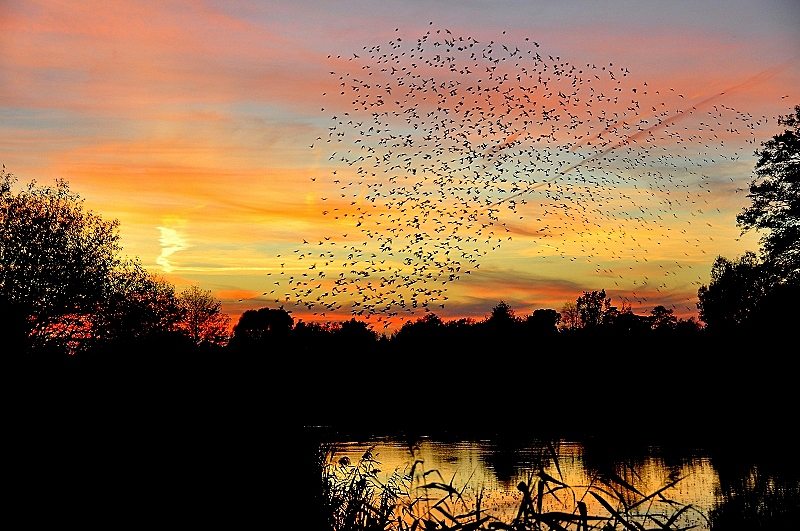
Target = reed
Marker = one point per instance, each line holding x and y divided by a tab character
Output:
352	496
354	499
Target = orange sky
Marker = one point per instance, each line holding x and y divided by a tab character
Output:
192	123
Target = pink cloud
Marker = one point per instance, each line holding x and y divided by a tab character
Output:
128	56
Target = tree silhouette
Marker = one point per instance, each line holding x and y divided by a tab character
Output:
570	318
202	318
763	292
626	321
311	337
543	321
775	195
502	316
424	331
55	259
262	326
136	305
594	308
63	286
663	318
355	333
734	293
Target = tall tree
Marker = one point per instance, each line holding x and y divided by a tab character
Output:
354	334
55	257
734	293
63	285
594	308
543	320
424	331
502	316
750	290
570	318
775	196
261	327
137	305
663	318
202	318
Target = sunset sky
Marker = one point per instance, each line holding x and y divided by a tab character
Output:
193	122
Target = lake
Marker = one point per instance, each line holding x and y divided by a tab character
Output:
714	483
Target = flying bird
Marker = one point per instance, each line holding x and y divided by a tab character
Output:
446	148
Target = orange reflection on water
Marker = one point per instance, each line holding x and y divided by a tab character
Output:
461	476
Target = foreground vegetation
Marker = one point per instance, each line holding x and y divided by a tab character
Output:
357	495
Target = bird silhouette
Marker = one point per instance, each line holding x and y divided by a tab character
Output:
442	142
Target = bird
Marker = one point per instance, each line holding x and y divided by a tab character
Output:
445	138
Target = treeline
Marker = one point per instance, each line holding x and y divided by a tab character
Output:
66	289
592	315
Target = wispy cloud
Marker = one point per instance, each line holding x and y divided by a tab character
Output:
171	241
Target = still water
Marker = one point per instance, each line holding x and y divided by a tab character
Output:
687	487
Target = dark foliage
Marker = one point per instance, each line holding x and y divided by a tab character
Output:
775	195
261	329
55	259
65	289
735	292
753	292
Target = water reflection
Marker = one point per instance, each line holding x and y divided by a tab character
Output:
690	487
757	496
499	473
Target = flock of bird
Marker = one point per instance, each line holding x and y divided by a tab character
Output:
443	147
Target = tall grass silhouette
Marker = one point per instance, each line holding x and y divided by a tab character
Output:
355	499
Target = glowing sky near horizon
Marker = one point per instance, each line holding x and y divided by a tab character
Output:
191	123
